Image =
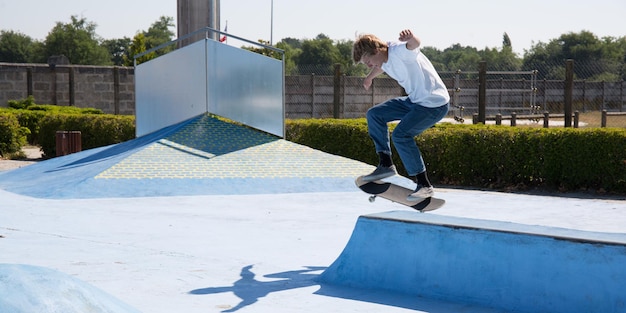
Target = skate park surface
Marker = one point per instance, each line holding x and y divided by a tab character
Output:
208	217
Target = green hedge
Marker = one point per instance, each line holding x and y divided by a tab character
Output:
344	137
12	136
499	157
96	130
29	114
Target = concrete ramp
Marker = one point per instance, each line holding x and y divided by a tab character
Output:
201	156
27	288
514	267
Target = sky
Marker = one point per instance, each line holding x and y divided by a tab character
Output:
439	24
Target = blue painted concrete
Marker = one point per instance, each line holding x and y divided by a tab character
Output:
201	156
501	265
27	288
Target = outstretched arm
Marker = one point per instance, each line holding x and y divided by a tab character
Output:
412	42
370	77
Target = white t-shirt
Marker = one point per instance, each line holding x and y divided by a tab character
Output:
415	73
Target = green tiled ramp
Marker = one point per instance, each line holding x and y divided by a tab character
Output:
210	148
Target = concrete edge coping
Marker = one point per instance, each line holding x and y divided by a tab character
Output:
573	235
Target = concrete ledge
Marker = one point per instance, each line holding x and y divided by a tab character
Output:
508	266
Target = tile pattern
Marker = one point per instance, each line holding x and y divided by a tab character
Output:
211	148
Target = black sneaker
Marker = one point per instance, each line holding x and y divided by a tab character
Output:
380	172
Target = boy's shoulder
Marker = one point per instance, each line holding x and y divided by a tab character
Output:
399	48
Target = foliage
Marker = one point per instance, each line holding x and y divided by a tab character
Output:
96	130
21	104
12	135
315	133
77	41
345	59
500	157
290	55
29	104
598	57
119	49
319	51
124	50
262	49
15	47
454	58
30	114
137	47
160	33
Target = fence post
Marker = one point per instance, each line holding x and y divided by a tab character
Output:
72	83
457	87
576	118
603	122
336	90
546	119
482	92
513	119
621	95
116	90
568	92
29	81
498	119
312	95
603	94
545	97
584	91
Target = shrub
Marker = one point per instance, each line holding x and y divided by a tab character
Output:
12	136
29	114
499	157
30	119
96	130
21	104
56	109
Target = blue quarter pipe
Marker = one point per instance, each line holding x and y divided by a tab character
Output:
502	265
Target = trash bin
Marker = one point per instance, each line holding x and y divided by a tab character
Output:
68	142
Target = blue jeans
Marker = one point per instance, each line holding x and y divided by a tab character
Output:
414	119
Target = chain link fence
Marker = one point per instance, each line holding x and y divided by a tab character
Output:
327	92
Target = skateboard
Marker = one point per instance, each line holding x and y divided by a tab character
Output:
398	194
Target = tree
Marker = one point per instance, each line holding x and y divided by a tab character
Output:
15	47
595	59
501	60
160	33
320	52
506	41
461	58
345	59
292	42
291	54
119	49
78	42
138	46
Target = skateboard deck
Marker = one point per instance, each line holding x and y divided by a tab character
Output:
398	194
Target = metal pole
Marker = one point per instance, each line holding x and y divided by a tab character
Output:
214	18
272	26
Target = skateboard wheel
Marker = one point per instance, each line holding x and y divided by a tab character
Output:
372	198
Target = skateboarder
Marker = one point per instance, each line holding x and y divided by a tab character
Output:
426	104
